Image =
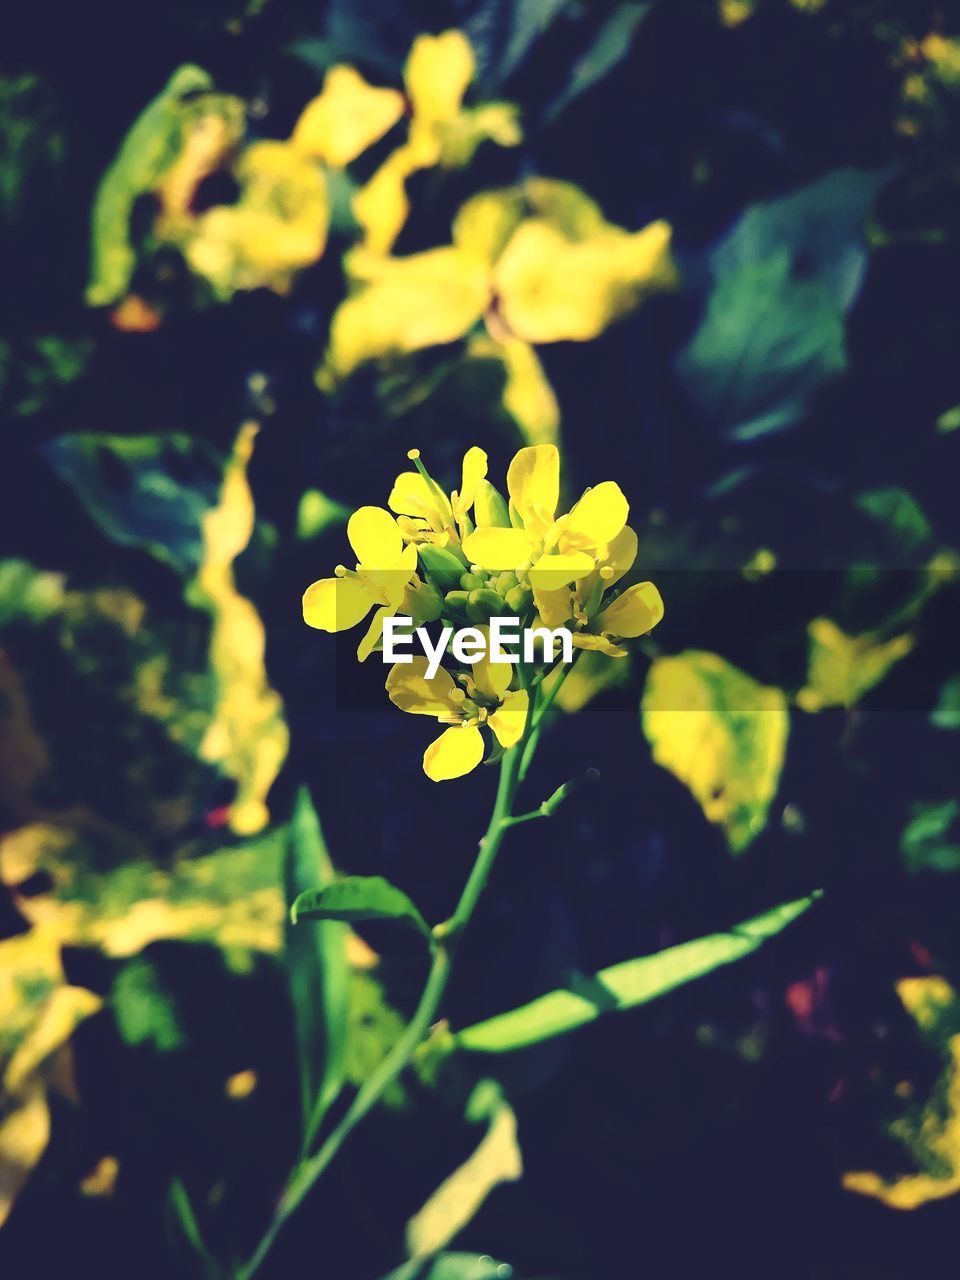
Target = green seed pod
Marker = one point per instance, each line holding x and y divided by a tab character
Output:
489	508
519	600
472	581
442	565
484	605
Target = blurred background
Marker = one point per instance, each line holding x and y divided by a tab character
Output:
217	338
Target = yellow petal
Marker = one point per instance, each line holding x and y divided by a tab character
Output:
618	555
460	137
550	573
533	482
596	519
600	644
485	223
455	752
346	118
412	495
437	73
375	537
498	549
634	613
554	607
491	678
424	300
409	689
474	470
509	720
374	633
389	586
335	604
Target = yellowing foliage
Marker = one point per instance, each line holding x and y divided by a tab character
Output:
248	735
929	1132
722	734
842	668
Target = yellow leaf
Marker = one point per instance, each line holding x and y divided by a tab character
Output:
346	118
552	289
247	735
930	1132
458	1198
722	734
278	226
842	668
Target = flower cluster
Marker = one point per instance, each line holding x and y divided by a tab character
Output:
475	554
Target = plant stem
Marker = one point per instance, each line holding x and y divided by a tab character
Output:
446	939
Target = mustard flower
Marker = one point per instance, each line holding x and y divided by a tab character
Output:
385	578
486	700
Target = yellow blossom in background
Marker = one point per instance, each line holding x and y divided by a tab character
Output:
535	264
442	132
349	116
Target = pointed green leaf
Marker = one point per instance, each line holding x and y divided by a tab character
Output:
358	898
626	985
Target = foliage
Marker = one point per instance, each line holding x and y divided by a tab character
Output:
659	301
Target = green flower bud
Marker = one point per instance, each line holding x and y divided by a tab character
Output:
505	582
484	605
516	519
442	565
519	600
472	581
489	509
455	605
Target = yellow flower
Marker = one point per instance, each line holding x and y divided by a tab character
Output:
442	131
385	577
425	513
488	700
557	551
535	264
595	625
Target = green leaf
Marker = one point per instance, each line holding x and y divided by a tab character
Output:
144	1008
946	714
150	492
773	329
931	839
626	985
842	668
453	1266
609	47
358	898
147	151
722	734
900	512
317	971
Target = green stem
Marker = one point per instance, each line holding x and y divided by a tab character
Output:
446	939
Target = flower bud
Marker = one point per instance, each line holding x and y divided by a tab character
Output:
442	565
505	582
472	581
423	603
455	605
489	509
484	605
519	600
